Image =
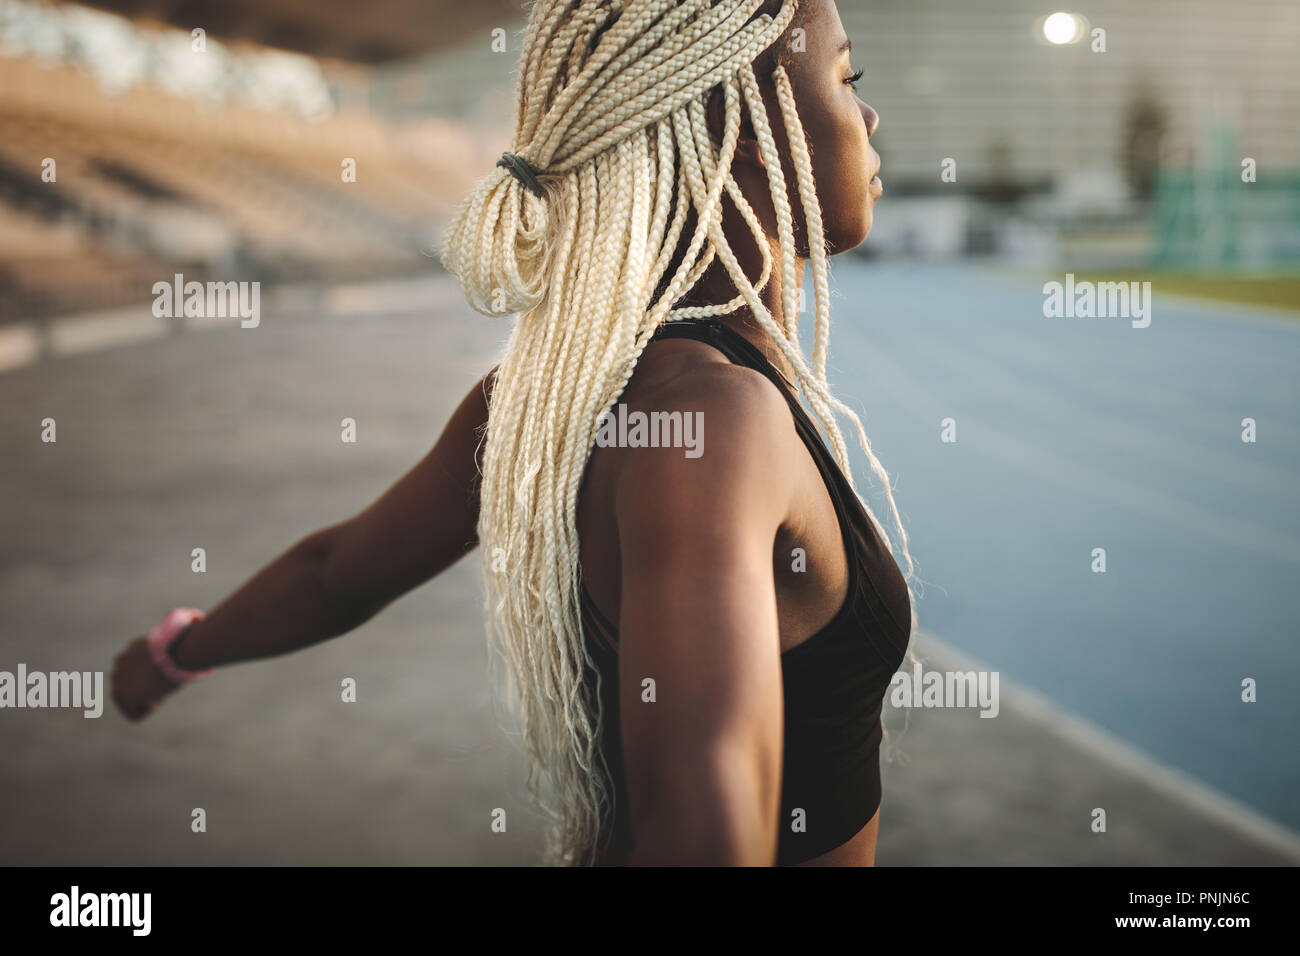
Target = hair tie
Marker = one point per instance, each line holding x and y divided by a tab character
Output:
522	172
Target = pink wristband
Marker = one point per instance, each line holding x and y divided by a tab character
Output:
162	637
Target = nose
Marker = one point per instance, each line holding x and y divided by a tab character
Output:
872	119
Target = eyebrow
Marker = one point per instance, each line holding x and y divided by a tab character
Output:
846	46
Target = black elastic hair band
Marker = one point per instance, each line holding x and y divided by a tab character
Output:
522	172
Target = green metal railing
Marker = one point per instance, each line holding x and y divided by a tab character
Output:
1209	218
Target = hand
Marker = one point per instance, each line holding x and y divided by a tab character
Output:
137	685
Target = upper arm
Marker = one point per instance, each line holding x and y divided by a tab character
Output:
421	525
698	616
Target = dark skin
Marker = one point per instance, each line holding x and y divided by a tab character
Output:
704	764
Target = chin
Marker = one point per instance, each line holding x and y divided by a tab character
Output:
850	235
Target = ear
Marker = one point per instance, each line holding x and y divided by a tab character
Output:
747	150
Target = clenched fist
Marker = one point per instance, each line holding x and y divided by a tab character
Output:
137	684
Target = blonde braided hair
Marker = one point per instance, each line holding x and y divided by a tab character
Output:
611	114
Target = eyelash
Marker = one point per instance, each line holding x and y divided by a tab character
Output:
853	80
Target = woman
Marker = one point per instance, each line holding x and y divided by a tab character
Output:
651	227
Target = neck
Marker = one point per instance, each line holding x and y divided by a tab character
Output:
716	286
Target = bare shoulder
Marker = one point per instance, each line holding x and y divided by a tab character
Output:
737	465
742	404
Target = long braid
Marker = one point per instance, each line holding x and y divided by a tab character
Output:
808	197
611	112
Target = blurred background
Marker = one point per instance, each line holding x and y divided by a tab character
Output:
318	149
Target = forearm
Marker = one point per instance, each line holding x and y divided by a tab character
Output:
284	607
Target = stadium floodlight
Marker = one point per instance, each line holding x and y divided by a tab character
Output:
1060	28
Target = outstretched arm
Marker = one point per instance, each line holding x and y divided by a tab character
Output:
337	578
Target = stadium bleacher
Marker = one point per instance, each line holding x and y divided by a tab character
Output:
146	181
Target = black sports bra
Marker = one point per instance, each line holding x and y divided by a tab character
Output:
834	681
